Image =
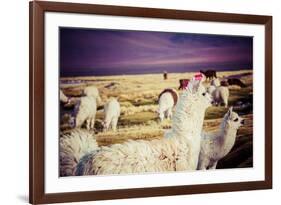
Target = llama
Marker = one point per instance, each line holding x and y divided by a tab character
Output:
73	145
211	89
220	96
167	100
236	81
215	82
112	112
214	146
224	83
94	92
88	108
210	74
183	84
178	152
219	92
63	97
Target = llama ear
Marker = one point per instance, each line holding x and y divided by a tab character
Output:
229	112
190	86
196	86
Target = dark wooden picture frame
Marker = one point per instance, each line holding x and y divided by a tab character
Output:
37	95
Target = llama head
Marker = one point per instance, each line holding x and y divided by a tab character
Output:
198	94
233	120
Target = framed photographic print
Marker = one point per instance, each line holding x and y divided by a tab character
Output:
139	102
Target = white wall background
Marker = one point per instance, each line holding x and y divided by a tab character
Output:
14	100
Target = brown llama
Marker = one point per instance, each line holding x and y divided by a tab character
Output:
210	74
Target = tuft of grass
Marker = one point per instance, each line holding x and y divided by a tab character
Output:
215	112
144	132
239	94
138	118
143	101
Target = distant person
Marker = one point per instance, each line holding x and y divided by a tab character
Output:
165	75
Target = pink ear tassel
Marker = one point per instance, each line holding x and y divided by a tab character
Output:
198	76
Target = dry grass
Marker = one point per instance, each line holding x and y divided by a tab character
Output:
138	95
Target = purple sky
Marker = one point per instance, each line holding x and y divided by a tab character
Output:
116	52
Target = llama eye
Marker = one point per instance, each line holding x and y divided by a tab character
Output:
203	94
236	120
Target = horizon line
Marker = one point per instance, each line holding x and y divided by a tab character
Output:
155	73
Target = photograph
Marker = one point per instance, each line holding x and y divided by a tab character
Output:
138	102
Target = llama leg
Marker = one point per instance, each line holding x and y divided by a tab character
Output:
214	165
105	126
78	123
169	113
226	103
114	122
80	119
92	125
88	124
203	163
165	114
161	116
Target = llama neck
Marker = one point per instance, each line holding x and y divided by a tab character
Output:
187	126
188	118
227	138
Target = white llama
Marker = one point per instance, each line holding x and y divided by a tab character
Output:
216	82
167	100
221	95
211	89
88	108
112	112
215	146
94	92
178	152
73	145
63	97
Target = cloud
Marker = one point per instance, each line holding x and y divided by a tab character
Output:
136	50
